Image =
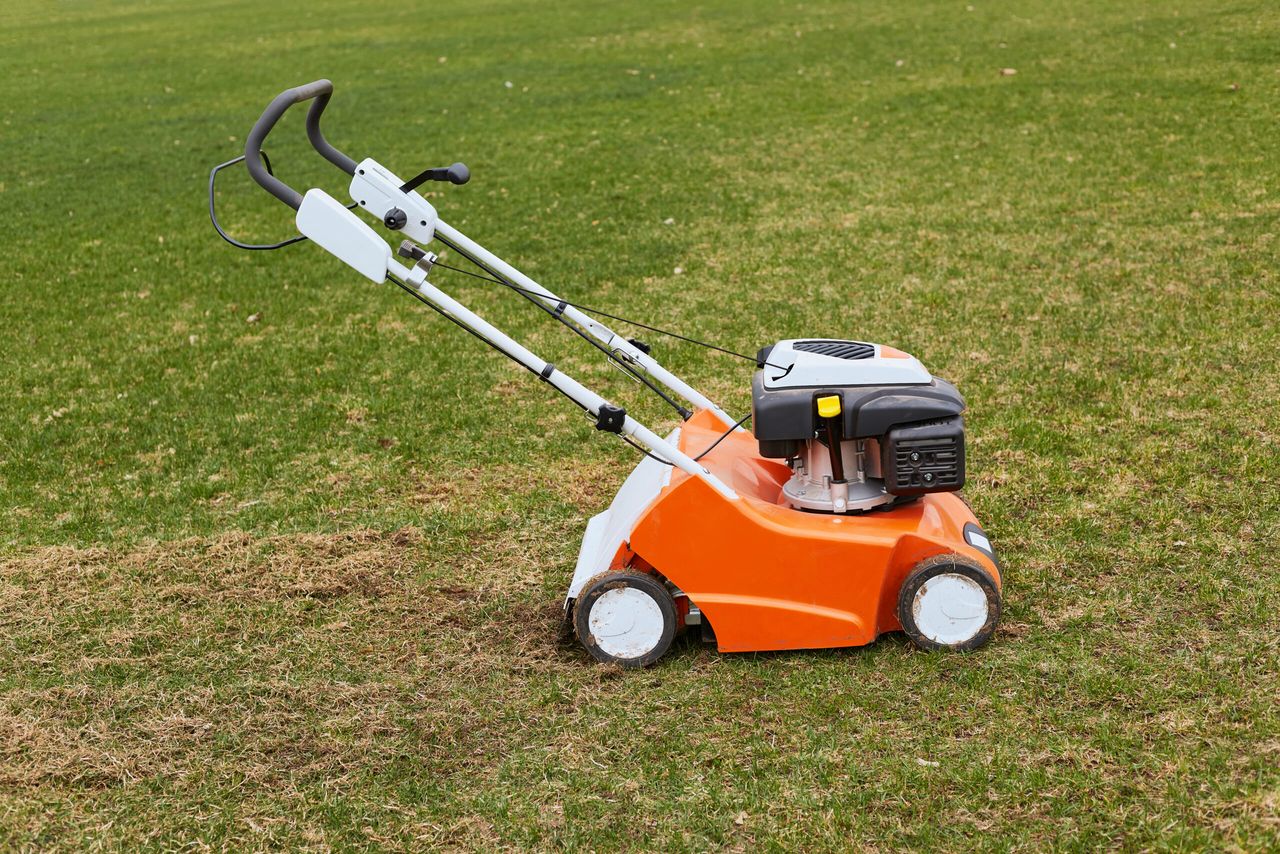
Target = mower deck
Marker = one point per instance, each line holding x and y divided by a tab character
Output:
767	576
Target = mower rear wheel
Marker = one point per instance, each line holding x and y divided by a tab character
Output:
626	618
948	602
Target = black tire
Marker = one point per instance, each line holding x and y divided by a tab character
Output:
633	647
911	603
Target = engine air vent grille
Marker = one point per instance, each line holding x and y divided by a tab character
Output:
924	457
927	466
837	349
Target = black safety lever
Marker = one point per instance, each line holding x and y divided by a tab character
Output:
458	173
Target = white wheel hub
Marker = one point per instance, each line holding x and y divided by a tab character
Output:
950	608
626	622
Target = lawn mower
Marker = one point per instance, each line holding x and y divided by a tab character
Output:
833	520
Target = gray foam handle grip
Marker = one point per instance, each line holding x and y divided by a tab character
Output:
321	91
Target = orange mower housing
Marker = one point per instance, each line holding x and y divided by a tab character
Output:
767	576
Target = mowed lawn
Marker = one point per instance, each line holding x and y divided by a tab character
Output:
282	552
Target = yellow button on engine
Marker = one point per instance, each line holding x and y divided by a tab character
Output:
829	406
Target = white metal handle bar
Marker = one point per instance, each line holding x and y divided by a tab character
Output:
381	194
376	190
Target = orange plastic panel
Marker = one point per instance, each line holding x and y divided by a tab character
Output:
769	577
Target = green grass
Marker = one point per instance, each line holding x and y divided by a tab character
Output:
294	583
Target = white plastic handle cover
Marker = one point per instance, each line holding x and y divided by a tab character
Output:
339	232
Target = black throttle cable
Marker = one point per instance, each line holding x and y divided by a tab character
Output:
556	314
540	300
535	296
723	436
600	313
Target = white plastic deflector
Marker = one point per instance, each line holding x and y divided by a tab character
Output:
610	529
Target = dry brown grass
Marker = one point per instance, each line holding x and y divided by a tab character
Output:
332	663
108	628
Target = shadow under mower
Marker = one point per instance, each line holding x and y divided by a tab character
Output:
833	520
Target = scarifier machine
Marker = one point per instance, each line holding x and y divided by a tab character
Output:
835	519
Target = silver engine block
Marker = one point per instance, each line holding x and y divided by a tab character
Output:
810	486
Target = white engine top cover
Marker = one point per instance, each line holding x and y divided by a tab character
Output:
813	362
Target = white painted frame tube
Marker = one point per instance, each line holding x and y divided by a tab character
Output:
450	236
417	278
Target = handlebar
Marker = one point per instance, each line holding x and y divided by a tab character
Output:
321	91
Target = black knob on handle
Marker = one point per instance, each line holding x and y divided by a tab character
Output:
458	173
395	219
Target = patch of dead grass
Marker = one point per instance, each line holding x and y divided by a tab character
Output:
273	659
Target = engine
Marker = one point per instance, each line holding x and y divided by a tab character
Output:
861	425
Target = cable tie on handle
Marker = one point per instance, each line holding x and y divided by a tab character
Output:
560	309
547	370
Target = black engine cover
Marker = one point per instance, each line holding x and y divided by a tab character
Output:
784	418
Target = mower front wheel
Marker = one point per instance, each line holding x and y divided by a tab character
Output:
948	602
626	618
